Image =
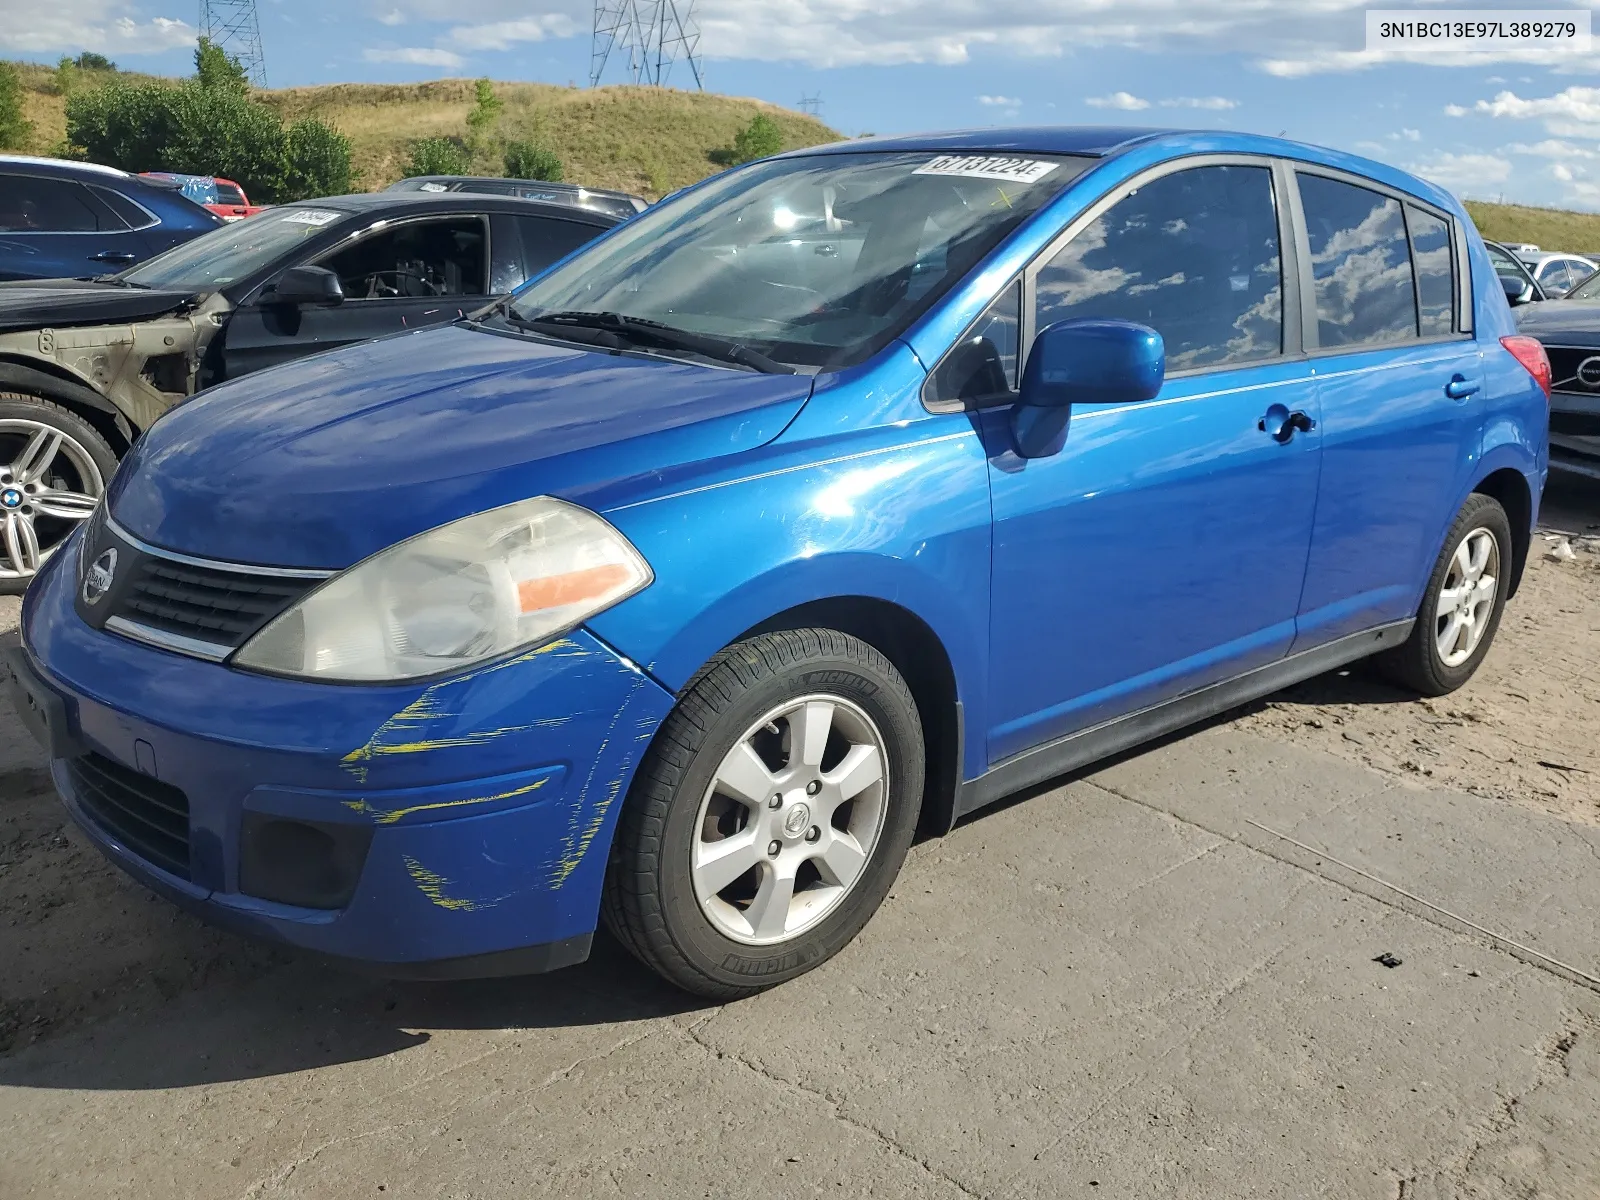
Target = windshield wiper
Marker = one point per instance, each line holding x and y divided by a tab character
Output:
640	331
115	280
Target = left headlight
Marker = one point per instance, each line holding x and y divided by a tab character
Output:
474	589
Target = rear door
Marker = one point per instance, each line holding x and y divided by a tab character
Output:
407	274
1399	381
54	228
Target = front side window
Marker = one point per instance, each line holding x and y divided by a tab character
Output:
31	204
415	260
1361	264
811	262
1194	255
1436	288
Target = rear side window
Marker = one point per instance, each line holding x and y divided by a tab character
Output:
545	241
31	204
1436	287
1360	264
415	260
1193	254
129	213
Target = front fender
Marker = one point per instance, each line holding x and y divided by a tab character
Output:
900	516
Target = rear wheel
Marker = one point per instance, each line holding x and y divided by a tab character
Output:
53	471
771	816
1461	609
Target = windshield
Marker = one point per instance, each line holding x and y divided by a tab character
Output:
1589	289
814	261
233	252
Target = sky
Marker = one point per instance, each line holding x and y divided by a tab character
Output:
1523	127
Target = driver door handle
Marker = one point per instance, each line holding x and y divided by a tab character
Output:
113	256
1281	424
1459	387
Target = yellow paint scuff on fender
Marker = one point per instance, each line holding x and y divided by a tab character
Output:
388	816
431	884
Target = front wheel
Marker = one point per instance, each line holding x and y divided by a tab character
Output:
53	471
771	815
1461	608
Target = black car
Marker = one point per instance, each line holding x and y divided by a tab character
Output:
618	204
1570	331
1519	283
87	364
60	218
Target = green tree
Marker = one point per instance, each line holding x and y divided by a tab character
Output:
65	77
439	156
317	161
15	128
90	61
215	70
760	139
485	111
529	160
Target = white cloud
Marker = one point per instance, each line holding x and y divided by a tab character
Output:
1406	135
417	56
1455	110
1212	103
393	17
502	35
1563	172
1575	103
999	102
1126	101
1463	172
106	26
1553	148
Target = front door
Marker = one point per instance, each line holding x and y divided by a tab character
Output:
1164	547
1399	388
403	276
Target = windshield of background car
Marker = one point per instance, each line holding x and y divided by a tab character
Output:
815	261
233	252
1589	289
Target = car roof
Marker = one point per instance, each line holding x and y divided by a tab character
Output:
417	202
557	185
1040	139
65	165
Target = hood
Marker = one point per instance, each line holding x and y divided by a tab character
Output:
63	303
322	462
1577	320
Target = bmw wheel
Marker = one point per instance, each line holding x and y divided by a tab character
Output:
53	471
1461	608
771	816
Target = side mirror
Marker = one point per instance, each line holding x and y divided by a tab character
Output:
1087	360
1518	291
306	285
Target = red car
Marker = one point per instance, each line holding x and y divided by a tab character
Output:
222	196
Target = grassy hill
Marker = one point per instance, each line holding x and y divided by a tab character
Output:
1548	228
645	140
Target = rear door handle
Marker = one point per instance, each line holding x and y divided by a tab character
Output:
1459	387
113	256
1281	424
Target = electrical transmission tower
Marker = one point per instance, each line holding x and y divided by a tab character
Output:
811	105
232	25
653	34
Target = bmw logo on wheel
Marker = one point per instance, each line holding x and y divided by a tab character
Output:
11	497
97	580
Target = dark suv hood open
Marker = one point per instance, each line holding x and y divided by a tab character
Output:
63	303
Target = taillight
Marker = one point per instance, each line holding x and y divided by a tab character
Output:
1530	353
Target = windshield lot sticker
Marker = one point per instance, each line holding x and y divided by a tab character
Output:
311	216
988	166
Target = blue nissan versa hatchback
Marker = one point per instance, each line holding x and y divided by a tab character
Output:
847	490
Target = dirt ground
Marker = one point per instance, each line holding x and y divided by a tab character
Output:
80	942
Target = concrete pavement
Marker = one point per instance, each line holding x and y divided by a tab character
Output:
1117	987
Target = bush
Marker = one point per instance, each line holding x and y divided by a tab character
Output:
759	139
485	110
64	78
214	70
439	156
90	61
318	161
529	160
15	129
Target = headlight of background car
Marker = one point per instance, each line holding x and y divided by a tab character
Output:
474	589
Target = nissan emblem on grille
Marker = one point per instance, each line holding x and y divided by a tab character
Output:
97	580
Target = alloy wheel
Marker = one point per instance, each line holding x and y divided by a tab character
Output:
49	484
790	820
1466	601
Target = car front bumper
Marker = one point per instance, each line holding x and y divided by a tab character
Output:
472	815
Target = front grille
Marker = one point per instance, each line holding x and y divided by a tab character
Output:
147	816
1564	363
210	604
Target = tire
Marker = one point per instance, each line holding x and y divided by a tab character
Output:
1421	663
54	494
684	827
